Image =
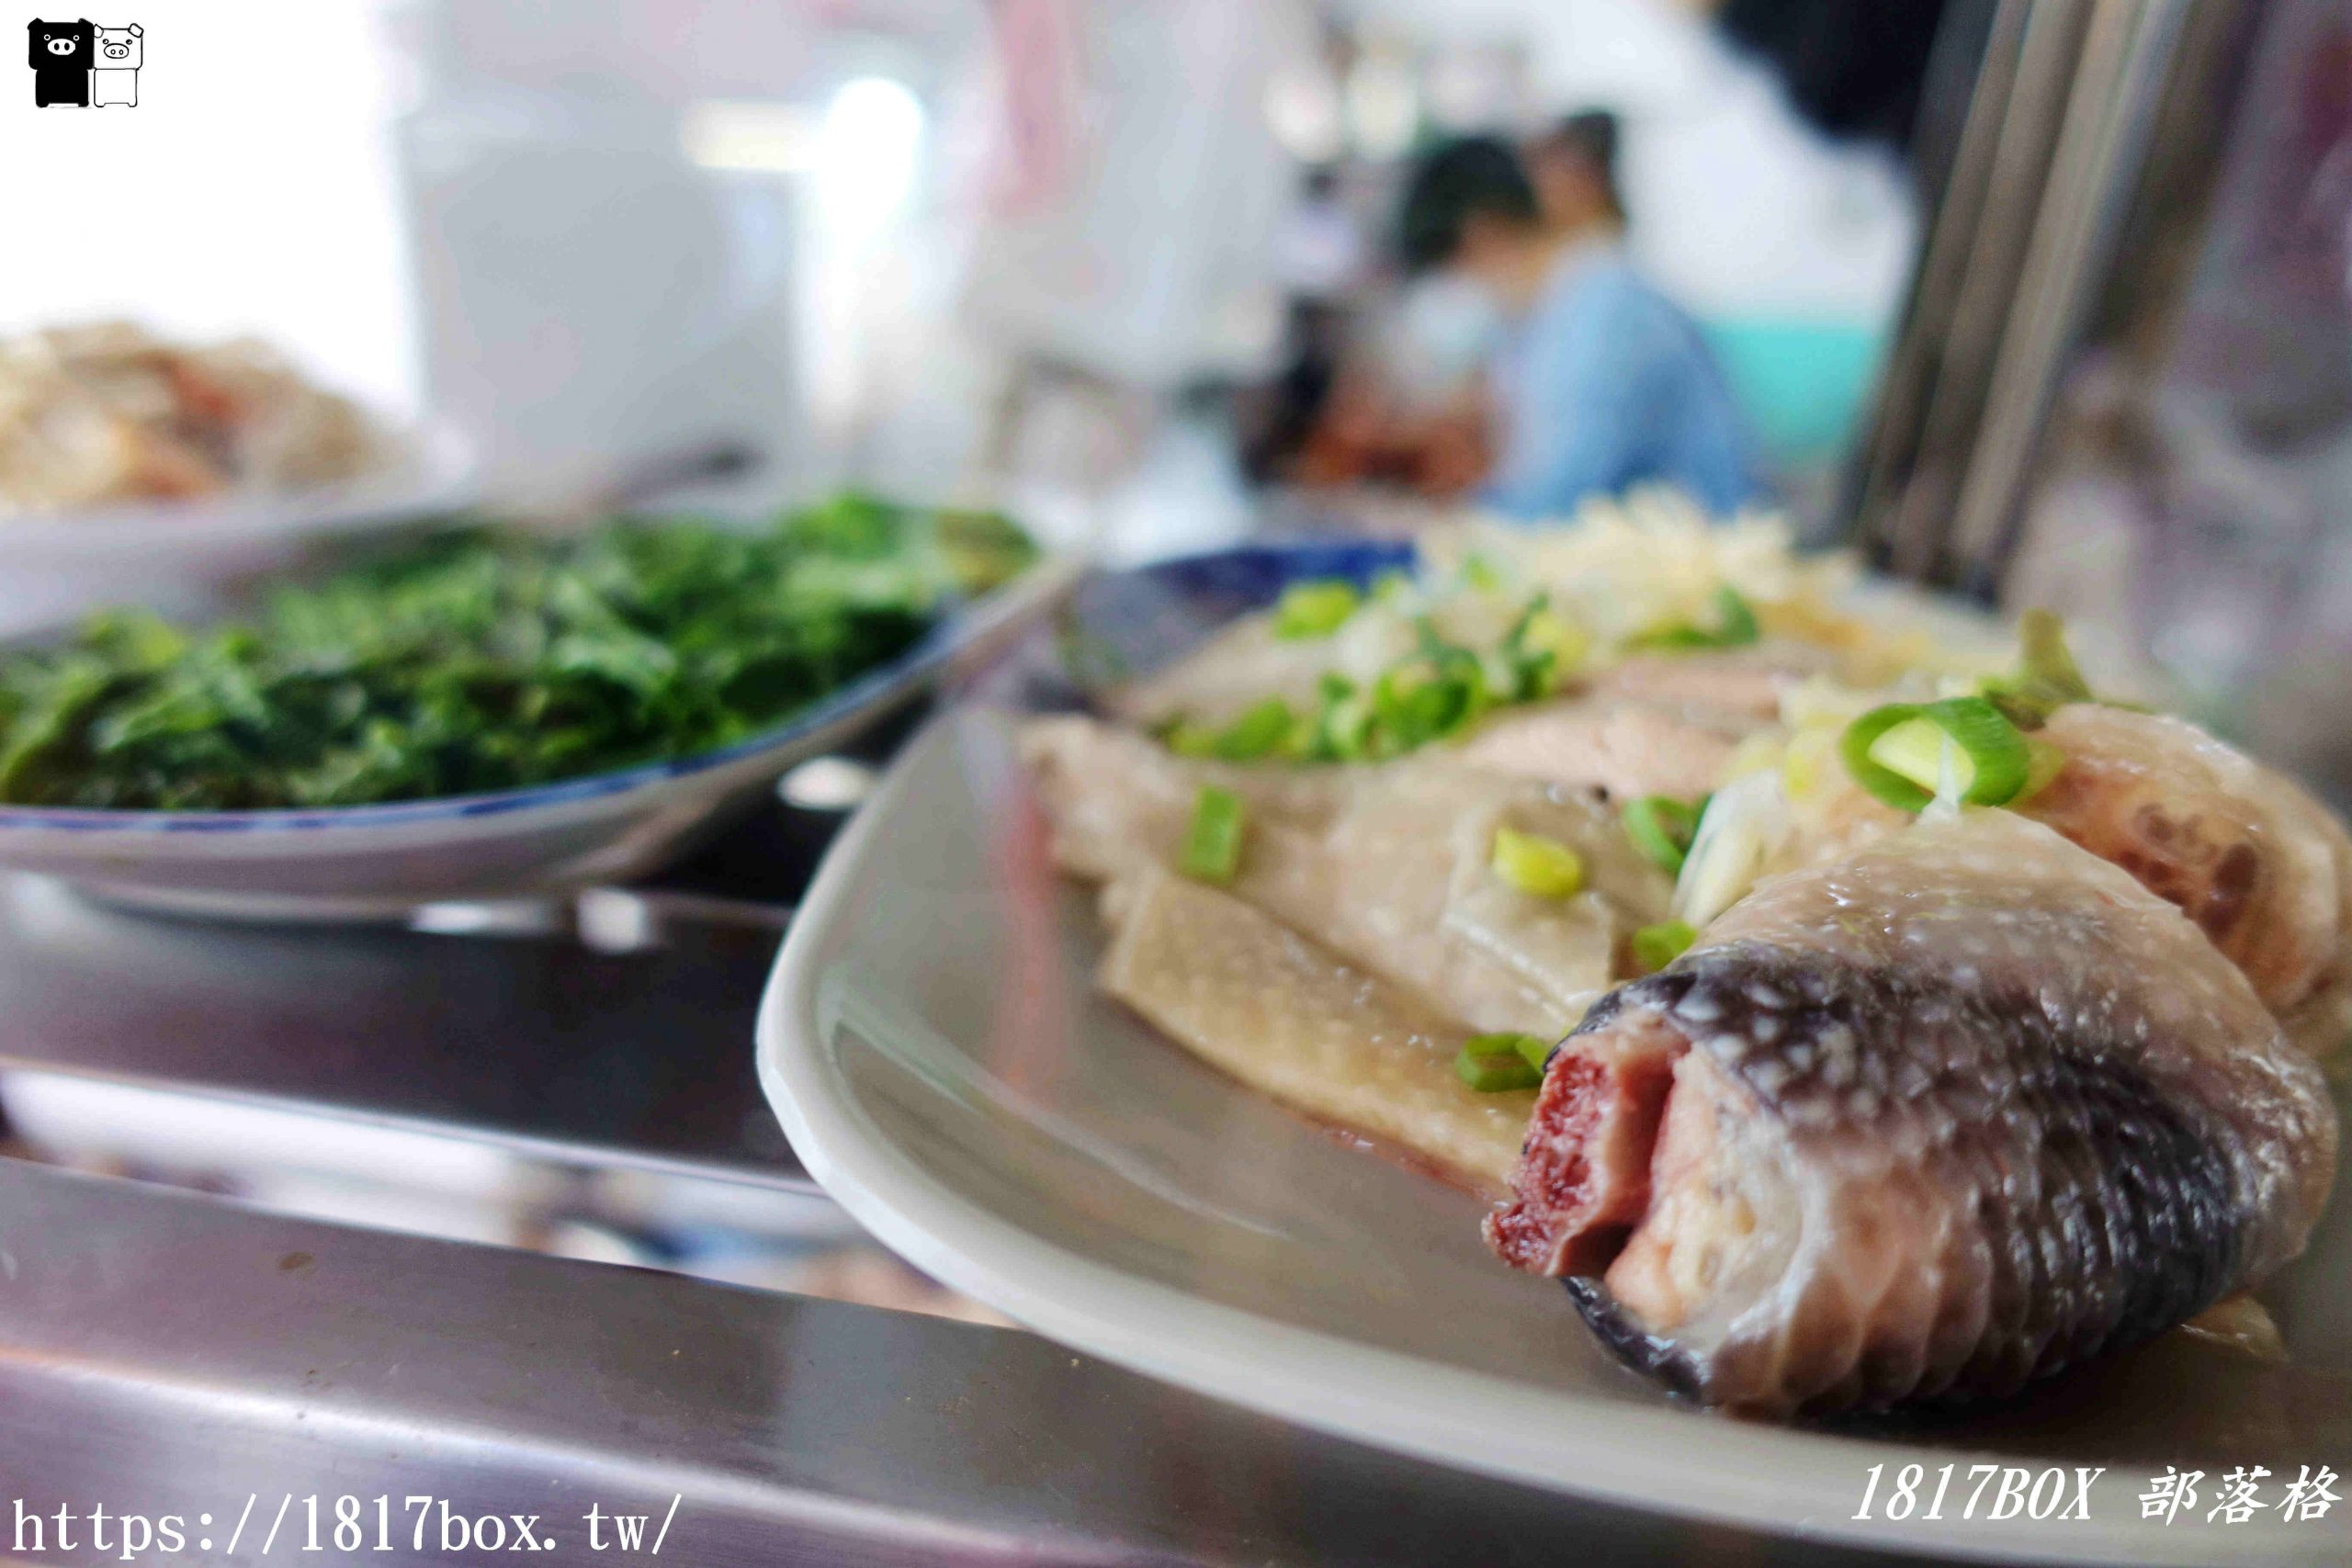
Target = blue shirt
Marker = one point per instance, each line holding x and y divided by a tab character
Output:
1607	384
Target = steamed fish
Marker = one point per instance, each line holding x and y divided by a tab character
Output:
2253	860
1737	688
2258	865
1652	724
1387	865
1926	1098
1247	662
1965	1109
1626	750
1294	1020
1648	724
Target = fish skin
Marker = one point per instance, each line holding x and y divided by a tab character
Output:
2261	867
1627	748
1991	1109
1294	1020
1387	863
1735	687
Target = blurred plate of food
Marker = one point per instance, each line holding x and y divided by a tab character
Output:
1309	959
486	711
124	451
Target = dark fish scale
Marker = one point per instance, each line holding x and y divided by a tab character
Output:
1652	1355
2077	1139
2116	1130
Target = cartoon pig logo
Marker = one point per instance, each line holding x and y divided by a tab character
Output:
114	74
61	54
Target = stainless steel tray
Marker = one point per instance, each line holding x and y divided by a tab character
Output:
172	1353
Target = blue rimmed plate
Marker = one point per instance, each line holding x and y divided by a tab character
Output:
382	862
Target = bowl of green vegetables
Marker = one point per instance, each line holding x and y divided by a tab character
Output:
486	711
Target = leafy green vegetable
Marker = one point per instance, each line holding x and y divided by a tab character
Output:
484	658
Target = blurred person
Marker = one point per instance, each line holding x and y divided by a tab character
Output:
1318	246
1319	261
1601	382
1856	69
1573	171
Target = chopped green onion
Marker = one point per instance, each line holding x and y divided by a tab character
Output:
1546	648
1899	752
1212	850
1495	1070
1656	946
1736	626
1261	730
1502	676
1479	573
2044	762
1336	733
1466	672
2047	677
2041	634
1432	644
1391	586
1919	751
1187	739
1737	829
1315	609
1534	863
1425	698
1532	1049
1662	829
1557	636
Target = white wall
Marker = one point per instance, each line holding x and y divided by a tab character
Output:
250	190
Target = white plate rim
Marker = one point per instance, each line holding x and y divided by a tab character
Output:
1290	1373
433	470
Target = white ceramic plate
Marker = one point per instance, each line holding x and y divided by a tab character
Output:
427	468
940	1062
54	568
375	862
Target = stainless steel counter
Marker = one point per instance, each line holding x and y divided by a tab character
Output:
164	1352
535	1041
167	1353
